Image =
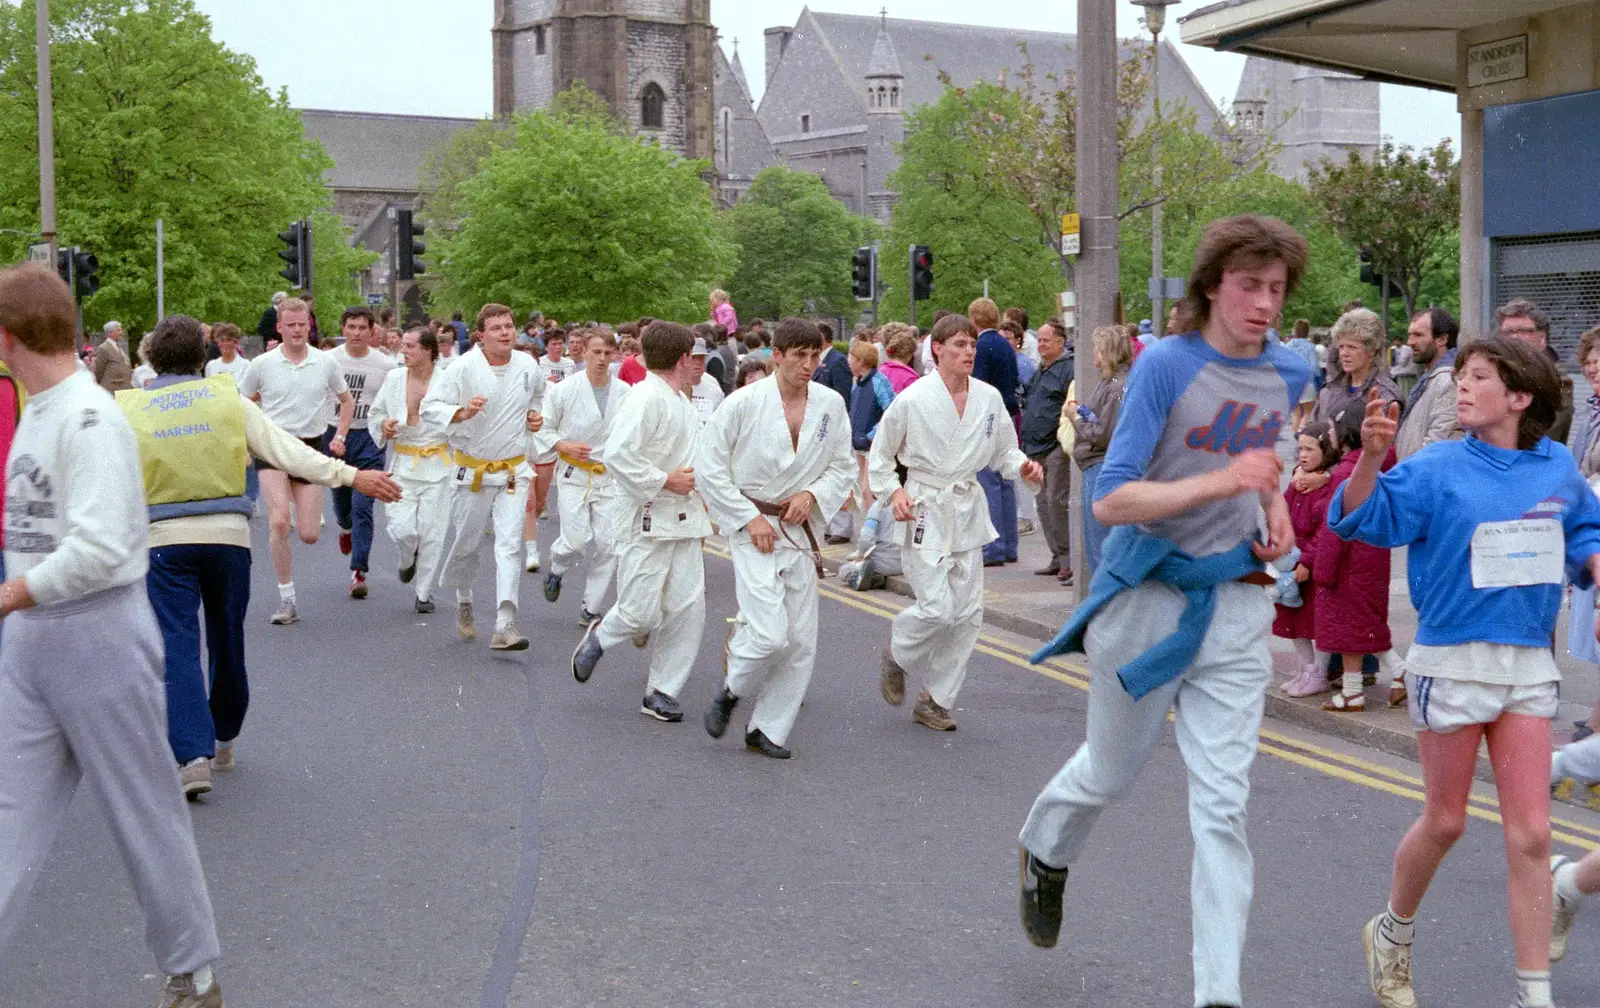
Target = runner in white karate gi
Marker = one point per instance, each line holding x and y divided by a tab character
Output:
660	520
490	399
775	464
943	432
421	463
579	414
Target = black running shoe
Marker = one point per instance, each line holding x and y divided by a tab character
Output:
1039	892
587	654
552	587
661	707
756	741
721	713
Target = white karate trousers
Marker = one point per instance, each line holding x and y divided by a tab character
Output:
585	511
470	513
661	588
774	644
935	636
418	523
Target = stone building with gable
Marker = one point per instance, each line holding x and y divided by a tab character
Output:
1312	113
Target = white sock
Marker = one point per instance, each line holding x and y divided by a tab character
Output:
1350	685
1566	883
463	596
1390	663
1533	989
1395	930
1305	650
202	979
286	592
505	616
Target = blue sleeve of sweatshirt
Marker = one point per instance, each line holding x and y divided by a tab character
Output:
1396	514
1581	525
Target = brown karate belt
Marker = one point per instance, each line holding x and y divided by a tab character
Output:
774	511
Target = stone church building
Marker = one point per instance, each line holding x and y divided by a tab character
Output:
837	89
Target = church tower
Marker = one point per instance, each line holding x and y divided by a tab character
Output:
886	125
651	60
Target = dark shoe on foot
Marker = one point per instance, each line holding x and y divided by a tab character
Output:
423	606
834	540
1039	892
181	992
552	587
892	683
1064	578
926	712
757	741
996	562
358	584
588	653
661	707
721	713
409	571
585	617
1050	571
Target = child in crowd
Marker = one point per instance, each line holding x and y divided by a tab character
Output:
1352	597
1308	495
1492	522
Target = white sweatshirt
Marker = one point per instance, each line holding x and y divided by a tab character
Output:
76	521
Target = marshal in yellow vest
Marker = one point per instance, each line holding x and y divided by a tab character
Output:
192	443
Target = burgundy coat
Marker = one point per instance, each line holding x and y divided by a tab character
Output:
1309	512
1352	579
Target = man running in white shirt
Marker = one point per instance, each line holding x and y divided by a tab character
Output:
294	383
364	368
554	367
490	402
81	691
775	463
422	465
227	336
660	522
578	416
948	518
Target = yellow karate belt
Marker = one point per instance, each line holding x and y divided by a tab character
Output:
592	468
482	467
417	453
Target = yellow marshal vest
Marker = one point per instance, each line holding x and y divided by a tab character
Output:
192	445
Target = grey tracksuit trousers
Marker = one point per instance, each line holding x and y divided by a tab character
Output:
81	697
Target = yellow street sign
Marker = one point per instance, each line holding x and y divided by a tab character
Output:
1069	223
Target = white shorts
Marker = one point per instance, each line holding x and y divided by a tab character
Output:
1446	705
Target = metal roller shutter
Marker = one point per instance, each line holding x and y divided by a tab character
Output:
1560	274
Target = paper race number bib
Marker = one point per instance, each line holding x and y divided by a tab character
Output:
1514	554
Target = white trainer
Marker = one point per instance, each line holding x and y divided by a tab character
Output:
286	613
1563	913
1388	969
532	566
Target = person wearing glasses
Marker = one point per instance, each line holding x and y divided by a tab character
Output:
1525	321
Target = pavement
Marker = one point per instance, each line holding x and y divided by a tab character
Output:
415	821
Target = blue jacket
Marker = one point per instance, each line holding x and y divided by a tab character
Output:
1435	500
996	364
868	399
835	373
1131	557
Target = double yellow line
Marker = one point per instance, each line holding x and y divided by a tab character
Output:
1292	750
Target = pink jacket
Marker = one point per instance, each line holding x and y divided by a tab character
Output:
724	316
899	375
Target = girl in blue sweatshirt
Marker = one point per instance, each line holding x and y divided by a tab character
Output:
1493	521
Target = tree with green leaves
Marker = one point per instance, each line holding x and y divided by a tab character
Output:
579	220
795	242
156	119
1403	205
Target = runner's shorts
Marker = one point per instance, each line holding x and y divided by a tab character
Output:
1441	702
314	443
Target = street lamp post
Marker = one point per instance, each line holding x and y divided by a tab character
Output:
1155	17
47	147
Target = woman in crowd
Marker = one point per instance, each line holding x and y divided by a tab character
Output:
751	369
1093	422
1352	593
1359	342
900	347
1585	444
1308	494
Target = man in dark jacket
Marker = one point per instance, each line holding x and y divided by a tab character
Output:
997	365
1041	417
833	367
1526	321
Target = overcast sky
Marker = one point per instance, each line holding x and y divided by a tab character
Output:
411	56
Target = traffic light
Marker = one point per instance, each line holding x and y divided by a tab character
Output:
921	273
85	274
297	254
1368	274
863	270
410	246
64	266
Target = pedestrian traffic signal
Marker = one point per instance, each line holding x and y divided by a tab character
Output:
863	271
297	253
410	246
921	273
85	274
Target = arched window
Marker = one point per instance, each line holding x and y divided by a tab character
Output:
727	138
653	107
883	96
894	96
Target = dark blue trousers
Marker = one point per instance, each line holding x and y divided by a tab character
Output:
182	580
1002	497
352	510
